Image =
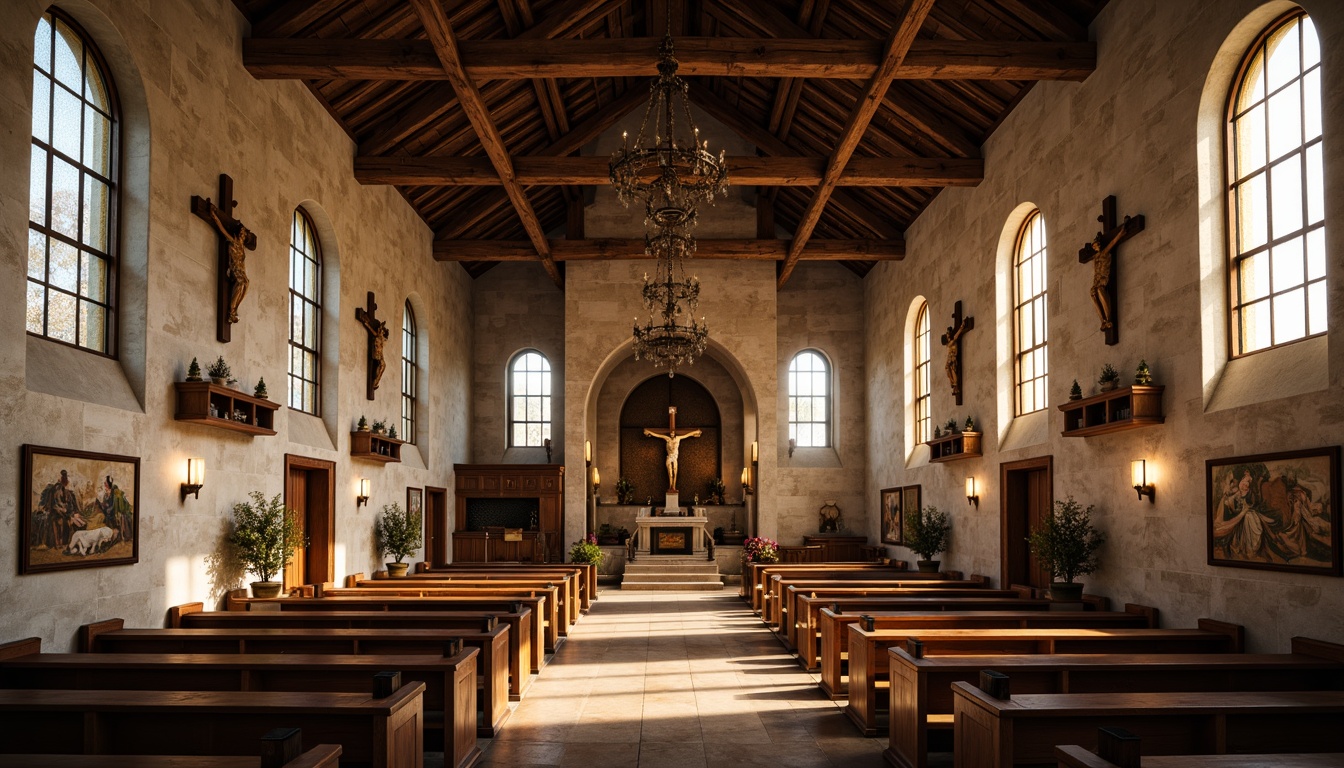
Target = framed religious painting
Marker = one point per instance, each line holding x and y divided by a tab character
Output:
1275	511
415	501
893	523
77	510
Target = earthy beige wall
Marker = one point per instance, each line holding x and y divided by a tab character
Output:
1133	130
193	113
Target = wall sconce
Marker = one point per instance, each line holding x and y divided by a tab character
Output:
195	479
755	452
971	496
363	497
793	444
597	480
588	452
1138	475
547	444
746	481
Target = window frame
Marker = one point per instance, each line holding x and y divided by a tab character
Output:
94	55
316	258
546	424
923	372
410	373
1233	256
1023	232
791	409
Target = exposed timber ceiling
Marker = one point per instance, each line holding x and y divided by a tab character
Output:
860	110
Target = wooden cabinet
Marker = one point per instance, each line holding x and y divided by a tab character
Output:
956	446
1114	411
543	483
838	549
496	546
201	402
374	447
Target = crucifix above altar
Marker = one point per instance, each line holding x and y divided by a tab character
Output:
673	439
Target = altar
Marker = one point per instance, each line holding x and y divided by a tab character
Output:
672	535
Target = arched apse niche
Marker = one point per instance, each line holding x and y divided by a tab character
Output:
331	322
1032	428
719	372
916	453
644	458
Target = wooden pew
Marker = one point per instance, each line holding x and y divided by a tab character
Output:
109	636
761	594
921	689
1118	748
410	599
589	570
778	605
566	599
385	732
868	658
579	573
1023	730
835	626
573	581
280	748
192	616
754	575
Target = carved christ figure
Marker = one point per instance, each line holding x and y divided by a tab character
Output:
1101	274
237	272
378	334
673	448
953	342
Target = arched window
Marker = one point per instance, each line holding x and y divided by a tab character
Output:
810	400
72	237
410	373
1276	189
305	314
1029	322
529	400
923	382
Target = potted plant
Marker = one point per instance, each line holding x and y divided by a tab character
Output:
950	427
399	535
970	425
264	536
759	549
1075	392
625	491
194	371
379	426
1066	544
219	371
1109	378
927	534
1143	377
392	432
363	425
260	391
585	550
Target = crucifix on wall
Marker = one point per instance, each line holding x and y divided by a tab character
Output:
378	333
1102	252
234	242
673	439
952	340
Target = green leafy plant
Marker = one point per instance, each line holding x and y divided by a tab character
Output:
927	532
265	534
399	532
970	425
194	371
585	550
1143	376
1108	373
379	426
1067	544
219	369
363	424
950	426
392	432
1075	392
260	391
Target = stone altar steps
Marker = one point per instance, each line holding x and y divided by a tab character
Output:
672	573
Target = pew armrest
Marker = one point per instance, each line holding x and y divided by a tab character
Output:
1236	633
1319	648
16	648
88	634
176	613
1148	612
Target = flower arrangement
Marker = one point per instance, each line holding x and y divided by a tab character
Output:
585	550
759	549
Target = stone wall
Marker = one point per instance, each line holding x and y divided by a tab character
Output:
1146	128
191	113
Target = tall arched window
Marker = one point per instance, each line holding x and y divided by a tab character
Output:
1276	189
529	400
1029	321
305	314
810	400
72	237
923	381
410	373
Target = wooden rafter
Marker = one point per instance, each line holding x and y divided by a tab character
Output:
760	171
440	34
912	18
320	59
588	250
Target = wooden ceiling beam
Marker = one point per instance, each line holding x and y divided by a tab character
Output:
291	17
441	35
609	249
911	19
743	170
314	59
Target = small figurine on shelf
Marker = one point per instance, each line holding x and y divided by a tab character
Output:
392	432
363	425
970	425
1109	378
379	427
260	391
240	415
218	371
194	371
1143	377
1075	392
214	411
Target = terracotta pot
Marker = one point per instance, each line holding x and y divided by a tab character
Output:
221	381
1069	591
397	570
928	566
1107	386
266	588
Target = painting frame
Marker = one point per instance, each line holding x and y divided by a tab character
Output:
893	504
415	500
52	543
1289	483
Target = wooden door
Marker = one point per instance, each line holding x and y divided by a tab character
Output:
1027	496
437	526
310	492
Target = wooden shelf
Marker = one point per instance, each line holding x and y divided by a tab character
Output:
233	410
1115	411
367	445
955	447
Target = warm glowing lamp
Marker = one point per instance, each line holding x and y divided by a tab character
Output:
363	497
971	496
195	478
1138	475
755	452
746	481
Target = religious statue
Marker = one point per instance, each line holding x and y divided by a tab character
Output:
1103	253
235	240
237	272
1101	273
952	340
378	335
673	441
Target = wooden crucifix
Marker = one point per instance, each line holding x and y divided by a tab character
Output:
673	440
234	242
952	340
378	333
1105	279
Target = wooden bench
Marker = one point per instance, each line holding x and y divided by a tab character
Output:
492	664
541	601
868	657
921	689
572	582
191	616
280	748
779	606
588	569
383	732
1118	748
584	591
768	592
1023	730
566	598
755	575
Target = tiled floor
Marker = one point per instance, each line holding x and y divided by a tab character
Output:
685	680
